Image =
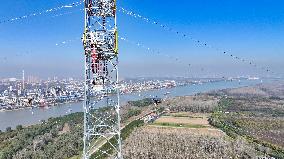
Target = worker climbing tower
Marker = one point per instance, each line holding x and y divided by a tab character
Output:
101	108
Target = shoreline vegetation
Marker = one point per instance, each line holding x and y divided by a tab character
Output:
241	123
59	137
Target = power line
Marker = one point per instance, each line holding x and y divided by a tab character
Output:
71	5
145	19
66	13
199	42
139	44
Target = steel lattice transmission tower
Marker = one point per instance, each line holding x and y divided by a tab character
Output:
100	41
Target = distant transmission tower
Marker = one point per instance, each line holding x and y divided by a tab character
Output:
100	39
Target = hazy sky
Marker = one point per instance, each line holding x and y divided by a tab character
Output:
252	29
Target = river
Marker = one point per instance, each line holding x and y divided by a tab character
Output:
27	117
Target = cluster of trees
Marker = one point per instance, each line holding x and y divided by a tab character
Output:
258	120
197	104
166	143
133	112
44	140
259	107
135	108
142	103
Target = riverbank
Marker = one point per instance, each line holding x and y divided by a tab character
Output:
27	117
59	137
187	120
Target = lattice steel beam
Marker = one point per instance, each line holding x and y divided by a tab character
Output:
100	40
